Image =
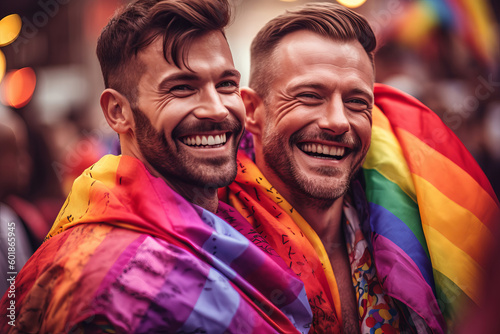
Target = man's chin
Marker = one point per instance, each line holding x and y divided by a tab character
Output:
324	188
212	183
212	176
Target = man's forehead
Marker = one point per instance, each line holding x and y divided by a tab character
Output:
303	52
310	44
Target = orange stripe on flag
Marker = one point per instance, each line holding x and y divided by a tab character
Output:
457	185
75	263
442	214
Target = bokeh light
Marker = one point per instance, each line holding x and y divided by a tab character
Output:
18	87
10	27
351	3
2	65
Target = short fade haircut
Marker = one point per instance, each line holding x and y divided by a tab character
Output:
330	20
138	24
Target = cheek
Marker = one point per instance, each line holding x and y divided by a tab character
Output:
364	130
290	120
235	105
170	118
361	126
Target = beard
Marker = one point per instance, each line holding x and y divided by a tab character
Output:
319	186
174	161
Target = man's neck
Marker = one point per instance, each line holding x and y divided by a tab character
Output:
326	221
324	216
206	197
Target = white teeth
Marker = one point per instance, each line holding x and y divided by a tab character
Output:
323	149
205	140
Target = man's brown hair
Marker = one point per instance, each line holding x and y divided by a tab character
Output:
326	19
138	24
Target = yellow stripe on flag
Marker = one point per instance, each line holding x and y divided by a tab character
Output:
454	263
454	222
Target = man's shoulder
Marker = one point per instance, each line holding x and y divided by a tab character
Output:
91	269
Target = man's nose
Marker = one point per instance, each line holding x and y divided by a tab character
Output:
334	117
211	106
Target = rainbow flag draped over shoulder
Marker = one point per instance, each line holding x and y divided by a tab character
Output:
127	251
432	209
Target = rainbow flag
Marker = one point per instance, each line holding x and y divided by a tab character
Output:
476	25
128	251
472	21
433	211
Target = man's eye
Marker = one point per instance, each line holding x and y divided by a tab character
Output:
228	86
358	104
309	96
311	99
229	83
181	88
358	101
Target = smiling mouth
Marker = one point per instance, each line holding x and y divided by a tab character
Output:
323	151
204	141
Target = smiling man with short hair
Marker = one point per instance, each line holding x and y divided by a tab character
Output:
312	134
178	114
351	184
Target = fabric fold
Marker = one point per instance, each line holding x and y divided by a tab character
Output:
127	248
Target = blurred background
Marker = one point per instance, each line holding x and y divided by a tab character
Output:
443	52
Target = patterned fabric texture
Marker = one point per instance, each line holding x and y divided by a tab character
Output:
127	249
297	243
427	225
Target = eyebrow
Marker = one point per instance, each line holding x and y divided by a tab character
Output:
193	77
231	73
308	85
177	77
363	92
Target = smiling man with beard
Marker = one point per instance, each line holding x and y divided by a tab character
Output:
357	186
137	246
311	117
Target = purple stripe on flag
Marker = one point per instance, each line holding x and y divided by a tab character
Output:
215	307
183	283
384	222
401	279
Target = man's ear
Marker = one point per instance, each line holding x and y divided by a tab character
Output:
117	110
254	109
